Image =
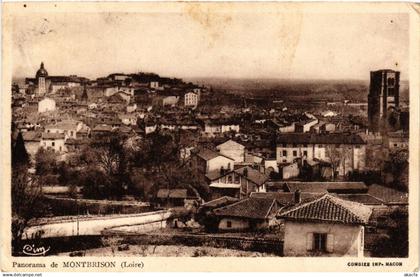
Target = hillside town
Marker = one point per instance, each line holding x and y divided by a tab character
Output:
173	162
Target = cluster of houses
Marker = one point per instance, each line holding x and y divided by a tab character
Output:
262	168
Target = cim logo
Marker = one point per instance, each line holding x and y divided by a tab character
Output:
31	250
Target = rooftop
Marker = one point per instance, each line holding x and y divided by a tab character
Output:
309	138
255	208
328	208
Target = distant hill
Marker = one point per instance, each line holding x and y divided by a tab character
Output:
355	90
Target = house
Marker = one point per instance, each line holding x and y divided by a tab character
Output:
54	141
101	131
329	113
170	100
128	119
324	226
218	127
397	140
346	151
171	197
205	161
323	127
131	108
232	149
191	99
238	183
69	128
248	214
305	126
46	105
289	171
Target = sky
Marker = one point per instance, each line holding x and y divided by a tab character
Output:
236	45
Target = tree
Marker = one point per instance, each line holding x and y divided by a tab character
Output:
337	155
45	161
19	154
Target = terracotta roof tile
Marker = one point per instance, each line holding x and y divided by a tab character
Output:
328	208
256	208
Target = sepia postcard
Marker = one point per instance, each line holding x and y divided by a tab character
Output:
210	136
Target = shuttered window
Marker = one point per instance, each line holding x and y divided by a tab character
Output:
330	243
309	241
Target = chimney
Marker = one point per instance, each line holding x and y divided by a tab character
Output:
297	196
222	170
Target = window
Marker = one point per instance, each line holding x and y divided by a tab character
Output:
284	153
60	148
230	179
320	242
53	143
305	153
229	224
294	153
391	81
395	144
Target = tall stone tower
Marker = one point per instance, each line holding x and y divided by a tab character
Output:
40	77
384	92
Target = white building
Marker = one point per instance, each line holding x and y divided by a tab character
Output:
191	99
233	150
350	149
53	141
46	105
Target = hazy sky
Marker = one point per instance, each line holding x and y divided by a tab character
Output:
268	45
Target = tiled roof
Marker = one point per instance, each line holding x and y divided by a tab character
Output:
64	125
52	136
207	154
328	208
284	198
224	200
307	138
388	195
319	186
252	175
172	193
255	208
31	136
362	198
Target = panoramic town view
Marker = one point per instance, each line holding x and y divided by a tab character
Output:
146	163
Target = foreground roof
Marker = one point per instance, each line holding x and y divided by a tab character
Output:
328	208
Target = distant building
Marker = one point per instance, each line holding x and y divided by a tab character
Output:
40	78
248	214
205	161
46	105
383	96
191	99
238	183
43	83
54	141
67	127
349	148
232	149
